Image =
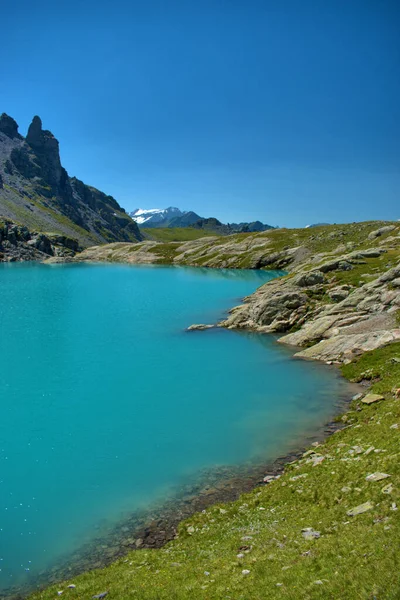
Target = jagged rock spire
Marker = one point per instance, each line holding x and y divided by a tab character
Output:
8	126
34	135
46	147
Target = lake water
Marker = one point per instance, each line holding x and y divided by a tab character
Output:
107	403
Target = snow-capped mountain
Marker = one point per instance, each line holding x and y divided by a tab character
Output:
174	217
155	215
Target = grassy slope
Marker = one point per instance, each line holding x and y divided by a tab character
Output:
173	234
240	250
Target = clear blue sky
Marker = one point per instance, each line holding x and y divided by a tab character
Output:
284	111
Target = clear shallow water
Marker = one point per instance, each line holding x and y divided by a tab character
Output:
106	402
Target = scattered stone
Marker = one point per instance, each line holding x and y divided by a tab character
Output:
270	478
176	564
310	534
245	572
296	477
357	397
190	530
71	586
60	592
316	460
359	510
388	489
377	476
101	595
371	398
393	506
206	573
369	450
394	426
240	555
199	327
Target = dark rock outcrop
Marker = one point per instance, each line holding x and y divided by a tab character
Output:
18	243
9	127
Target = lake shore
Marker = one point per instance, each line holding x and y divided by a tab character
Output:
155	527
343	308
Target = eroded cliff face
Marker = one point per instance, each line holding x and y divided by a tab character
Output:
36	190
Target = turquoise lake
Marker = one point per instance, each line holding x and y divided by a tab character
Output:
107	403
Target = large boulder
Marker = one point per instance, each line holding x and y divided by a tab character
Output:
309	279
381	231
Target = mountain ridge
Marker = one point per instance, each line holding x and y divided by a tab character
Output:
37	192
174	217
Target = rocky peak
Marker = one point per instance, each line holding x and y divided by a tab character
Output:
46	146
8	126
34	135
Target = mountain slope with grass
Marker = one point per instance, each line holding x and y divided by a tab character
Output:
37	192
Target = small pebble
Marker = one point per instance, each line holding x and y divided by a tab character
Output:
245	572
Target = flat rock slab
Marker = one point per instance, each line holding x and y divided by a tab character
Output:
362	508
310	534
371	398
377	476
199	327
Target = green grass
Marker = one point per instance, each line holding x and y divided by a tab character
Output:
369	270
355	557
176	234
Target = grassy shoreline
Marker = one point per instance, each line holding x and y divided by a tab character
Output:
295	537
263	533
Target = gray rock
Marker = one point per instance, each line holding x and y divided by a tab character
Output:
360	509
381	231
338	294
310	534
341	347
336	265
371	398
309	279
376	476
199	327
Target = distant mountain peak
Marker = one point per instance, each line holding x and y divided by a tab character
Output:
173	217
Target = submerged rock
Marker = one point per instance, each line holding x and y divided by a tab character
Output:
199	327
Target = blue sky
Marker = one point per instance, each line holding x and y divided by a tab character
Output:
283	111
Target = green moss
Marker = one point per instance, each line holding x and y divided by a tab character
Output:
381	367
